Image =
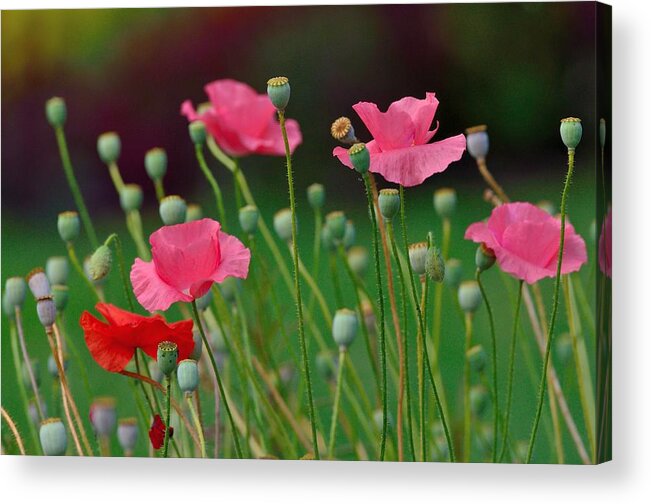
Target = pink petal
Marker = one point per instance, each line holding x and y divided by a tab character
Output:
392	129
235	258
421	113
342	154
479	232
150	290
574	252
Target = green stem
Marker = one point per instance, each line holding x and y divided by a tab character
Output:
335	408
466	391
552	320
213	363
297	287
114	238
160	190
27	361
197	425
80	270
491	323
238	191
334	275
114	172
168	397
438	298
198	149
74	186
509	387
421	373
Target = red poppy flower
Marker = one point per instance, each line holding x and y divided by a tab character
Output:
114	342
157	433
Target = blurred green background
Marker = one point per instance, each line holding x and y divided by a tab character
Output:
517	67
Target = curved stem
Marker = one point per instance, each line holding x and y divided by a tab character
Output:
197	425
509	387
14	430
160	190
552	320
80	270
335	408
168	397
27	362
219	201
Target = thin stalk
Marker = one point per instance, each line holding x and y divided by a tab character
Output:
466	391
197	425
80	270
74	186
27	362
335	408
168	410
316	252
236	173
114	238
552	320
334	275
421	372
438	296
160	190
14	430
219	201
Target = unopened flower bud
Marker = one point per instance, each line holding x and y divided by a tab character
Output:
336	223
56	111
418	257
194	212
349	234
100	263
445	202
89	275
156	163
434	264
197	130
547	206
15	291
68	225
248	216
360	157
571	132
477	358
316	195
343	131
389	202
453	273
38	283
109	147
127	434
477	141
172	210
131	197
358	260
602	132
54	439
344	327
279	91
57	269
60	297
187	374
103	416
484	257
283	224
469	296
204	301
166	357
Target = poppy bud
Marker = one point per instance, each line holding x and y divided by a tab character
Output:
38	283
477	358
283	224
103	416
57	269
336	223
68	225
194	212
453	273
60	297
326	239
56	111
36	369
109	147
204	301
349	234
469	296
484	257
571	132
52	367
131	197
100	263
547	206
324	364
197	131
344	327
389	202
358	260
418	257
445	202
477	141
229	288
187	374
89	274
343	131
478	400
602	132
198	345
54	439
172	210
248	216
316	195
360	157
434	264
155	371
15	291
156	163
279	90
166	357
127	434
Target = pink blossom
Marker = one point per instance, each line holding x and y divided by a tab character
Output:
606	245
242	121
526	241
400	151
186	260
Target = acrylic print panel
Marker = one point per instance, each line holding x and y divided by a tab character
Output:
405	258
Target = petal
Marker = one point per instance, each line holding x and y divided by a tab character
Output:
412	165
187	109
342	154
574	252
392	129
421	113
157	331
118	316
479	232
109	351
150	290
235	258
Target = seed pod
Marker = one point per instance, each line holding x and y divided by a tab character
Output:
418	257
38	283
278	90
358	260
571	132
469	296
197	130
283	224
46	310
316	195
336	223
187	374
343	131
249	216
109	147
15	291
166	357
127	434
131	197
389	203
344	327
56	111
68	225
360	157
103	416
477	141
172	210
484	257
156	163
453	273
445	202
57	269
434	264
54	439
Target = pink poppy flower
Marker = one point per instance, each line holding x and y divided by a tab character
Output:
400	151
526	241
242	121
606	245
186	260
